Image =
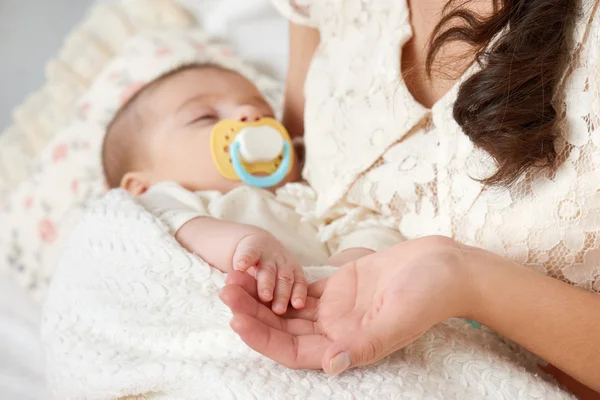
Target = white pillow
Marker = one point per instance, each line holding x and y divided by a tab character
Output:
255	28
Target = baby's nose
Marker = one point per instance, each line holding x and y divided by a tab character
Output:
248	114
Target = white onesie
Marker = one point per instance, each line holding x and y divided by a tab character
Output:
286	215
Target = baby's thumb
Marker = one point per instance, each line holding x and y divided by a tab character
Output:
245	257
359	348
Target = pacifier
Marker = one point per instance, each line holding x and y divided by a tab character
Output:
246	150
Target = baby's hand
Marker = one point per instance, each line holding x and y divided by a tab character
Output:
276	271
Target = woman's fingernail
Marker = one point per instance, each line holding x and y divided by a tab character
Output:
340	363
266	293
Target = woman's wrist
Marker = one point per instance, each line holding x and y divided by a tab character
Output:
483	275
550	318
495	284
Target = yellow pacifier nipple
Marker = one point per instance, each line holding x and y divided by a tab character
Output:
258	153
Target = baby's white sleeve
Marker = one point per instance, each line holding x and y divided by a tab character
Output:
173	204
376	238
297	11
357	227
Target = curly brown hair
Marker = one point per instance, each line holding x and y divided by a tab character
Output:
507	108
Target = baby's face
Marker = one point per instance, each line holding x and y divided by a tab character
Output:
180	114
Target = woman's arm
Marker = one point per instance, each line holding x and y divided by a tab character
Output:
556	321
403	291
303	43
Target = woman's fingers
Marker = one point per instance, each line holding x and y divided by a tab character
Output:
359	348
248	283
363	347
316	289
243	280
240	302
298	352
311	305
310	311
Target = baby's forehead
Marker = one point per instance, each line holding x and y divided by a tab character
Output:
199	81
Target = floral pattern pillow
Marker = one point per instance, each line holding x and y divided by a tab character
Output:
42	210
39	213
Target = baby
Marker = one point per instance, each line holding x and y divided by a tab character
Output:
158	149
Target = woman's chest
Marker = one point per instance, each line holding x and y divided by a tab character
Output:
356	104
547	222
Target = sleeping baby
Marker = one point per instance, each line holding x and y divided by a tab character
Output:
198	147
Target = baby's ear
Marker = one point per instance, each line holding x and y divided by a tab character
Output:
136	183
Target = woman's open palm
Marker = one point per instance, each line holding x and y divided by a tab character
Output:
365	311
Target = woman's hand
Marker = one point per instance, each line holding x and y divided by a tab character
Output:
365	311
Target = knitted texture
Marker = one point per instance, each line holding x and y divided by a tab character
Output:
130	313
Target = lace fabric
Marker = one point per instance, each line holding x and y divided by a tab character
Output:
369	143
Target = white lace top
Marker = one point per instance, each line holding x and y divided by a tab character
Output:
371	144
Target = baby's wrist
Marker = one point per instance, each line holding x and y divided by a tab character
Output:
254	232
214	240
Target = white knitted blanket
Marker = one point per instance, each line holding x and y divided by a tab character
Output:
132	313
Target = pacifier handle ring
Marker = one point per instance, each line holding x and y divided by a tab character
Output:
262	182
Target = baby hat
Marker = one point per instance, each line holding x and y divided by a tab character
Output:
150	55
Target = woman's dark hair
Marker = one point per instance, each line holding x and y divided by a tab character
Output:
507	107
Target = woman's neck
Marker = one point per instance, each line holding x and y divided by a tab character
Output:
450	62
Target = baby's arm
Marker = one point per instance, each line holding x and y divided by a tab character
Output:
228	245
215	241
361	242
349	255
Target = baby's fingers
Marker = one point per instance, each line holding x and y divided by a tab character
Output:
283	289
245	256
300	289
265	276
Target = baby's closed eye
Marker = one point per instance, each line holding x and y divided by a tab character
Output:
204	119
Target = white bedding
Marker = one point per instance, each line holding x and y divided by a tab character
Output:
130	312
21	359
259	34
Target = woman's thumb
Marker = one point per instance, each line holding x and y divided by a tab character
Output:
357	349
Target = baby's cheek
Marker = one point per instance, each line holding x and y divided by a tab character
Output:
294	175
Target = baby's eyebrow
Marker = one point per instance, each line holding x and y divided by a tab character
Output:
256	99
195	99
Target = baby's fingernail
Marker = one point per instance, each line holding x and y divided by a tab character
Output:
266	293
298	302
340	363
241	264
279	308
